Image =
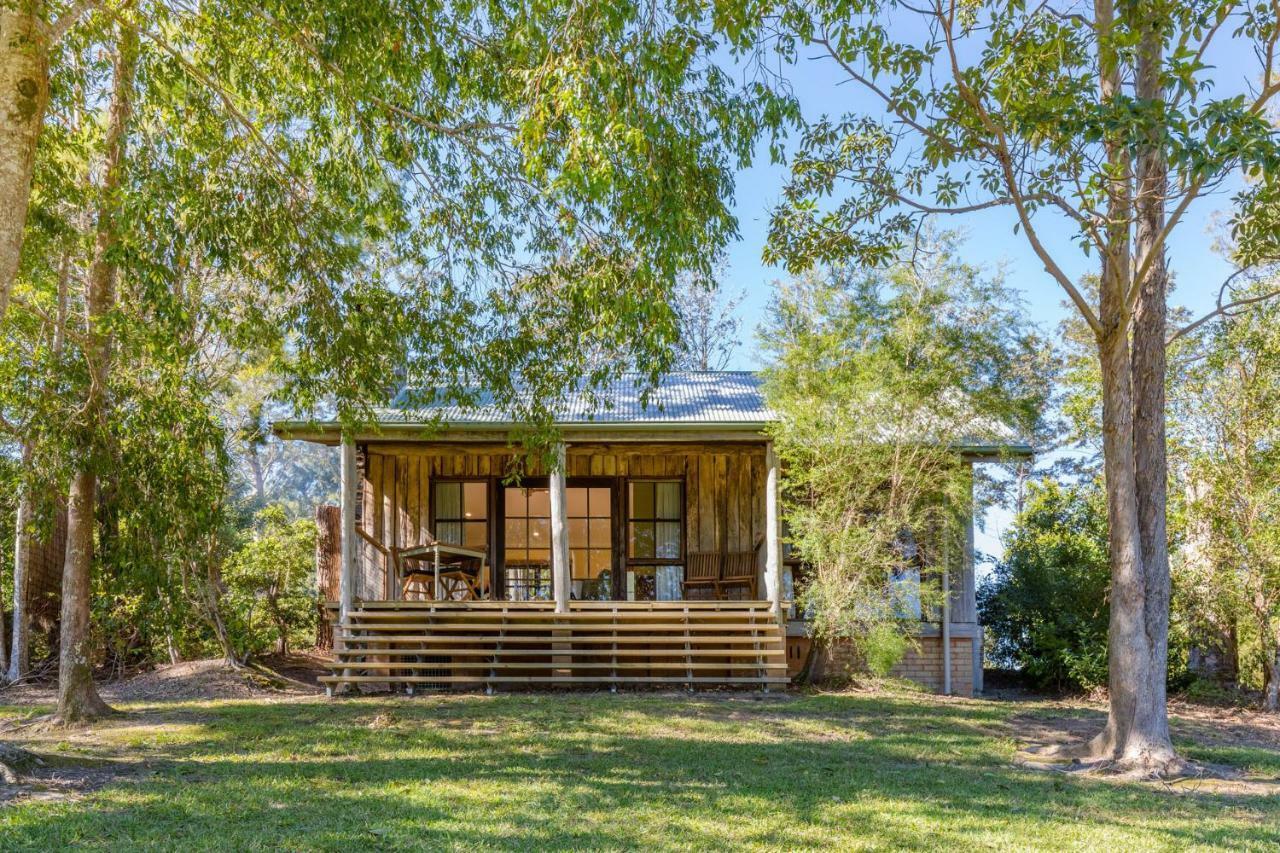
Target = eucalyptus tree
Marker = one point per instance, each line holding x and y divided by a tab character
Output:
1105	117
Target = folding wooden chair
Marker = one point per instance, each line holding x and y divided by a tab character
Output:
702	572
740	571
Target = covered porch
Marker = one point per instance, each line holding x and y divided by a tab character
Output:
629	561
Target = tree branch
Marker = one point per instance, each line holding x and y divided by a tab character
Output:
1224	309
69	19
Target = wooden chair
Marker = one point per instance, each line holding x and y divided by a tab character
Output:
702	572
740	570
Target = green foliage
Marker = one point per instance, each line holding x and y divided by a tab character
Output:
880	379
1045	604
270	580
1226	439
883	647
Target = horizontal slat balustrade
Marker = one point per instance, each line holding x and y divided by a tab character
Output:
491	643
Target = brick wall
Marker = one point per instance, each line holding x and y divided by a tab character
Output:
922	664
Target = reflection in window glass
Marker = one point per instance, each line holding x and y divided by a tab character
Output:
527	544
589	515
460	512
655	524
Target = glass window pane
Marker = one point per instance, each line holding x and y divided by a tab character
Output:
667	583
539	533
642	500
448	500
640	583
575	502
641	539
539	503
517	533
578	533
667	540
598	504
540	556
601	559
578	563
515	501
475	500
475	534
600	531
667	500
449	532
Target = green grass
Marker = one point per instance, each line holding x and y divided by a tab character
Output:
887	770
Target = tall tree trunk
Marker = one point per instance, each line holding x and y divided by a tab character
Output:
19	654
78	699
24	96
1136	736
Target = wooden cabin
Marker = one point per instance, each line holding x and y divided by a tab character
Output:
651	554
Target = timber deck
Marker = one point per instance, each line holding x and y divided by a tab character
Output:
497	644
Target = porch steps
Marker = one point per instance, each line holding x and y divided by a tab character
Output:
486	644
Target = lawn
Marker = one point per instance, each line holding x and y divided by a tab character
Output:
854	770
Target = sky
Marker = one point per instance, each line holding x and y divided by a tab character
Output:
989	239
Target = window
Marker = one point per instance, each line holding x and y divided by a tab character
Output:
460	513
904	579
527	549
589	513
655	513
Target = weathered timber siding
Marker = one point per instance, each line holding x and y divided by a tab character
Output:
724	490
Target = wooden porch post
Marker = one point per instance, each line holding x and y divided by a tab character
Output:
772	534
347	503
559	534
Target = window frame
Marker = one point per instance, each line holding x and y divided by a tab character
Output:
682	521
488	520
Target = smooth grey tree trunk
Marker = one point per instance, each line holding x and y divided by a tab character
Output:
78	699
19	651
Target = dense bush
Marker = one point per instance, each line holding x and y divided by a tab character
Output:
1045	604
270	585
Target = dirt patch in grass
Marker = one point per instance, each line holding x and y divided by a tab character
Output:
48	777
194	681
1210	730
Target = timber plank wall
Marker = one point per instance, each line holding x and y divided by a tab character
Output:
724	487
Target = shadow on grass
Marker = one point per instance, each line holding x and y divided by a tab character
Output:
577	771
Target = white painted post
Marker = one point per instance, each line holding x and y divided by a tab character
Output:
347	505
559	534
772	535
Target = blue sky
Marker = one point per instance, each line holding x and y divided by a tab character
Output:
989	237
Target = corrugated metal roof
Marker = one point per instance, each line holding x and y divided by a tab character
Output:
689	397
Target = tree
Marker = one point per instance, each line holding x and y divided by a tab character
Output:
1045	603
275	569
709	326
880	379
1228	430
1105	118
